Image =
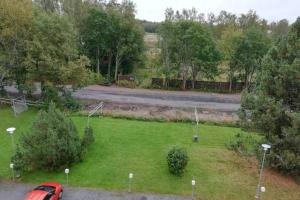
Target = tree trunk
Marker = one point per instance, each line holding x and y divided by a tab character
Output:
98	60
230	81
117	67
194	74
109	67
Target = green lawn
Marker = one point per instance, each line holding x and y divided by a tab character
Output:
124	146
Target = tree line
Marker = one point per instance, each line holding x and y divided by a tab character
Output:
224	44
60	42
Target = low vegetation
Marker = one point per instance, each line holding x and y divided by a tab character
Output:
125	146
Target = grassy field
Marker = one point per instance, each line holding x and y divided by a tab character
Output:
124	146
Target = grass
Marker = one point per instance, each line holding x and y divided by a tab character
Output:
124	146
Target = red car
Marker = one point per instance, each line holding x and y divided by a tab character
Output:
46	191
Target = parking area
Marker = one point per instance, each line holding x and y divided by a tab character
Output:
17	191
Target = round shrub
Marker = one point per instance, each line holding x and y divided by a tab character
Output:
177	159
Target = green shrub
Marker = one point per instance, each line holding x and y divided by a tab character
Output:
88	137
125	83
94	78
243	144
177	160
53	142
70	103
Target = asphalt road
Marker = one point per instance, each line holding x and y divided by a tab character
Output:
14	191
175	99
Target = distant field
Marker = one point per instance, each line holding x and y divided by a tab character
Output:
124	146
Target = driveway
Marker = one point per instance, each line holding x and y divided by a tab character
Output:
17	191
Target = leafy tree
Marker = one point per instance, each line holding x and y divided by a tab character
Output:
189	46
95	33
111	34
273	107
15	25
227	46
247	57
53	60
53	142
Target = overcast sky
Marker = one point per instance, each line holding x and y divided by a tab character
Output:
272	10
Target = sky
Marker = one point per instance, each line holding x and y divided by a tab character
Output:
271	10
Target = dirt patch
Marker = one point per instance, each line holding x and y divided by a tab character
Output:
165	113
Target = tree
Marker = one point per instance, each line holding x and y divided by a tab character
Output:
53	142
227	46
247	57
95	33
51	60
15	25
273	107
189	46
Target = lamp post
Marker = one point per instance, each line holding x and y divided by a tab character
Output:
193	188
259	188
11	131
11	166
67	171
130	181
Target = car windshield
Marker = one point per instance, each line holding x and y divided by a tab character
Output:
45	188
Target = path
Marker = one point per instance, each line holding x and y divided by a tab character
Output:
13	191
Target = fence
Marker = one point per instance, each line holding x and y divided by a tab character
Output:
199	85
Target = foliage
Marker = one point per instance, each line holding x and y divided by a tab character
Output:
125	83
88	137
15	26
94	78
70	103
177	160
250	49
273	107
190	47
112	35
53	142
243	144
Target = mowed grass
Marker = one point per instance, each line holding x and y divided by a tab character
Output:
124	146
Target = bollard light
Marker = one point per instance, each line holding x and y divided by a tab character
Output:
11	130
193	182
266	147
67	171
130	175
11	165
259	188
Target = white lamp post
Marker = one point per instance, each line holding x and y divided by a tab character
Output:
193	188
259	188
11	131
130	181
67	171
11	166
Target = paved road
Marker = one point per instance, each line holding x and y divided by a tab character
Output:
11	191
175	99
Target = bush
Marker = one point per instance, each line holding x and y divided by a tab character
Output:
88	137
94	78
177	160
243	144
53	142
70	103
125	83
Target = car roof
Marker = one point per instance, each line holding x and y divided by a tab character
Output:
36	195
